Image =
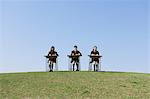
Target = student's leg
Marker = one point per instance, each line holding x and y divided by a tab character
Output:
94	66
96	63
77	64
73	64
50	65
90	64
55	65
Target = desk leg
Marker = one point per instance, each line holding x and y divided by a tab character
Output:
90	66
94	67
100	65
79	65
69	65
46	64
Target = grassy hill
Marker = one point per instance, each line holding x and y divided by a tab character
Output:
75	85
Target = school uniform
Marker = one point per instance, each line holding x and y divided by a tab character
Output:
94	59
52	53
75	59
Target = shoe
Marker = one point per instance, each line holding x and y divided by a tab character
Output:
50	70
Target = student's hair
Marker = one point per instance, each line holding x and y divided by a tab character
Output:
95	47
75	46
53	47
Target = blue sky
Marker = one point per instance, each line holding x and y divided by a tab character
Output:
118	27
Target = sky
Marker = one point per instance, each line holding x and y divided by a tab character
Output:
119	28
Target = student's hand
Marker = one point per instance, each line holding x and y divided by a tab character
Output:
72	54
77	54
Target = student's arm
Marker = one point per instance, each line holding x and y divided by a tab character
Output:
48	54
80	54
97	53
54	54
92	53
57	54
72	53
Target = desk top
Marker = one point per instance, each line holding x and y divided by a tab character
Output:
70	56
50	56
92	56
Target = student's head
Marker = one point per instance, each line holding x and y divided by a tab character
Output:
52	48
95	48
75	47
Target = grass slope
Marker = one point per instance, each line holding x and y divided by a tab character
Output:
75	85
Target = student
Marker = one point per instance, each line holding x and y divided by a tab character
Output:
75	58
95	60
52	58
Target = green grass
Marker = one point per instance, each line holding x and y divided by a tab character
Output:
75	85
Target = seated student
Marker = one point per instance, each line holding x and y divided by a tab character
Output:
94	60
75	59
52	59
